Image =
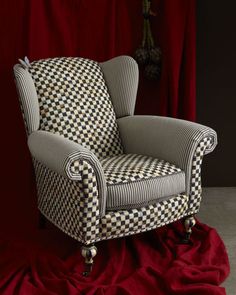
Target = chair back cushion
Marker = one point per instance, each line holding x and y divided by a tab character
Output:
74	102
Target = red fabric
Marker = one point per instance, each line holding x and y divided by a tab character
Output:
149	263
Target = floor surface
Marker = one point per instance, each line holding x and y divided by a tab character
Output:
218	210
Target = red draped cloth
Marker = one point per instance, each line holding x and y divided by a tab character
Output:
97	29
50	263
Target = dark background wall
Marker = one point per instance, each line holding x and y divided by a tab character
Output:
216	86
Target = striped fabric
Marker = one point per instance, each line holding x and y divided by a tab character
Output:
165	138
142	193
68	156
28	98
135	181
121	75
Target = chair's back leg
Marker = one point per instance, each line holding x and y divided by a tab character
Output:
189	223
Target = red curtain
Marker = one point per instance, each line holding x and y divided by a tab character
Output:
97	29
145	264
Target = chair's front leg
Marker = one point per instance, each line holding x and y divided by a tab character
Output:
189	223
88	252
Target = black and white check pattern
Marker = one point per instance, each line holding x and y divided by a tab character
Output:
73	206
196	187
134	181
74	102
128	168
128	222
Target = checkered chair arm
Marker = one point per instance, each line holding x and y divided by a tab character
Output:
195	194
70	160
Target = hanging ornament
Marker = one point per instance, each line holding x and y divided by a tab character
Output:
148	55
152	71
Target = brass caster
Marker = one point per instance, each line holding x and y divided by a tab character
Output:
88	252
189	223
86	273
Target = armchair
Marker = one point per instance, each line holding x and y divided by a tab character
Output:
101	172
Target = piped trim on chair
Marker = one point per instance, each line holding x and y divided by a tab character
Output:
76	167
195	194
59	154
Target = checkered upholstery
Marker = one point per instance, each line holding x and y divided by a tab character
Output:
127	222
196	187
74	102
73	206
76	211
127	168
135	181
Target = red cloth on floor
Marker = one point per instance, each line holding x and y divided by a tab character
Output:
149	263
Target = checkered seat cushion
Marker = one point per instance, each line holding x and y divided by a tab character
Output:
135	181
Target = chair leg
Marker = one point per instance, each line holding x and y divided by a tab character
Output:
189	223
88	252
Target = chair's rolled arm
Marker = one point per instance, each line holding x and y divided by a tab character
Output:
166	138
61	155
66	158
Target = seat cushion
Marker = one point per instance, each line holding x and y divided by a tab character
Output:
135	181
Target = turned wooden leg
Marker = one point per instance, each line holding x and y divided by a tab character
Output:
88	252
189	223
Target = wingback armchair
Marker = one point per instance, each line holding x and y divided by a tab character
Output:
101	172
